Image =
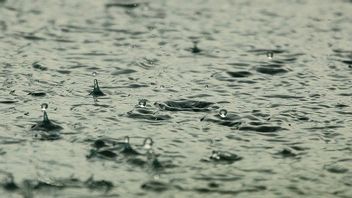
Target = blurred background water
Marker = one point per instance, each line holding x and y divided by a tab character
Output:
241	98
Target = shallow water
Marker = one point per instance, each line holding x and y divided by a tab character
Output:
287	131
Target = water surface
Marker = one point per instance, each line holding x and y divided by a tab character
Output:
281	70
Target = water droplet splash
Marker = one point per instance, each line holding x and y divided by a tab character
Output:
195	48
142	103
270	55
45	117
223	113
47	126
127	140
96	90
94	73
44	106
215	155
153	161
148	143
127	148
225	157
96	84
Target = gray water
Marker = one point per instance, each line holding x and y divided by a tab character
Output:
287	131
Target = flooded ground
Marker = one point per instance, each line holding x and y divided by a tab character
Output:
240	98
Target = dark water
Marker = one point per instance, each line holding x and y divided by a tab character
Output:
281	69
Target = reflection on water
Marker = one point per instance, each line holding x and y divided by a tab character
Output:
194	98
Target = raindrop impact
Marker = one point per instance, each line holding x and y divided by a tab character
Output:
127	148
96	90
226	157
195	48
151	156
142	103
46	124
44	106
148	143
270	55
127	139
223	113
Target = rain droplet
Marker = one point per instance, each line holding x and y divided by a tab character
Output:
223	113
148	143
94	73
44	106
142	103
270	55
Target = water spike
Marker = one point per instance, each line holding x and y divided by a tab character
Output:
96	85
47	125
96	90
45	117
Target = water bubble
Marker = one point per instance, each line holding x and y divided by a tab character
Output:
270	55
44	106
148	143
223	113
94	73
142	103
